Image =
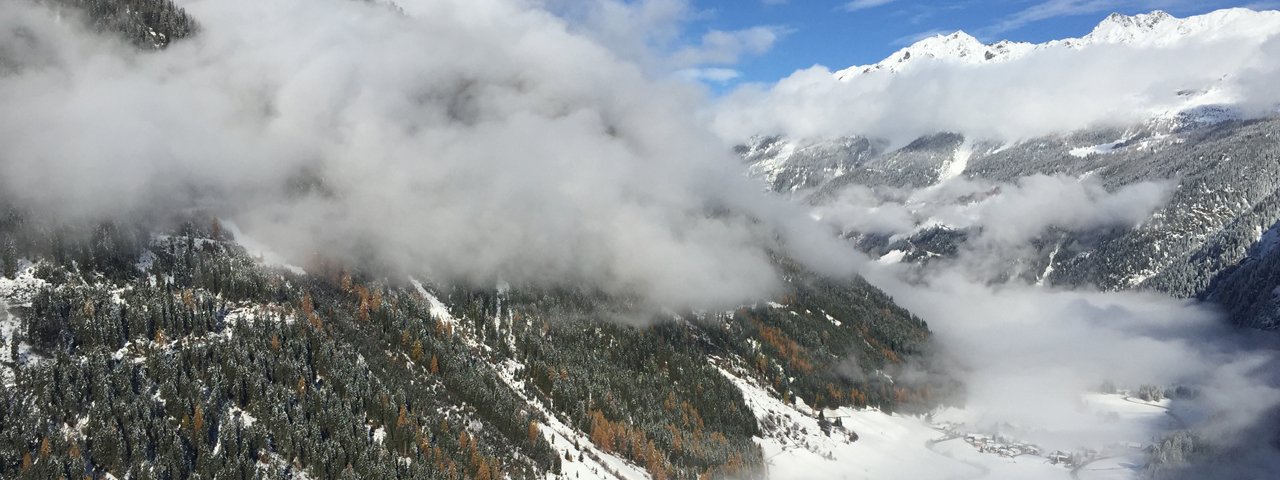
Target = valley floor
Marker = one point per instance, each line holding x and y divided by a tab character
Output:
896	446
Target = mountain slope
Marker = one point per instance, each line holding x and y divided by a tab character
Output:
178	354
1218	159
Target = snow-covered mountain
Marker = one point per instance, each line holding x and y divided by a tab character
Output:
1155	29
928	197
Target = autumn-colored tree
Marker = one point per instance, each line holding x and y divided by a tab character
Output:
215	229
308	306
677	439
836	395
900	395
403	418
45	448
435	365
670	403
160	339
464	440
26	460
858	398
416	353
788	348
533	431
275	342
197	423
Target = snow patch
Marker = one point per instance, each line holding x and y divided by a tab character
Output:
893	257
1101	149
435	306
959	162
24	285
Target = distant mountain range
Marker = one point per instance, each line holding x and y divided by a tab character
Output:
1155	29
1209	240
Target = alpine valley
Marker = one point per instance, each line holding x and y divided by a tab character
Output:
472	239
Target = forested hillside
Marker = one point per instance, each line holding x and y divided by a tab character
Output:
150	24
177	354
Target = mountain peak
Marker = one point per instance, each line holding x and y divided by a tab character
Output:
958	46
1155	29
1120	28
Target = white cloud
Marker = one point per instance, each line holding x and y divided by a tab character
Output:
470	139
1052	9
653	33
1027	355
712	75
856	5
727	47
1051	90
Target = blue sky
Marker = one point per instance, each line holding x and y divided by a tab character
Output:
841	33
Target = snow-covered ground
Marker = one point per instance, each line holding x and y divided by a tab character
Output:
15	291
588	461
23	286
887	446
958	164
581	459
895	446
8	329
1102	149
435	306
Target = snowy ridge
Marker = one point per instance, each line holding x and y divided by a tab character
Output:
1148	30
957	47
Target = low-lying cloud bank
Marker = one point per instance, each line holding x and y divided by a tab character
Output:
479	139
1005	214
1047	91
1028	354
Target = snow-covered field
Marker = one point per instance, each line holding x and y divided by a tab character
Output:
896	446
